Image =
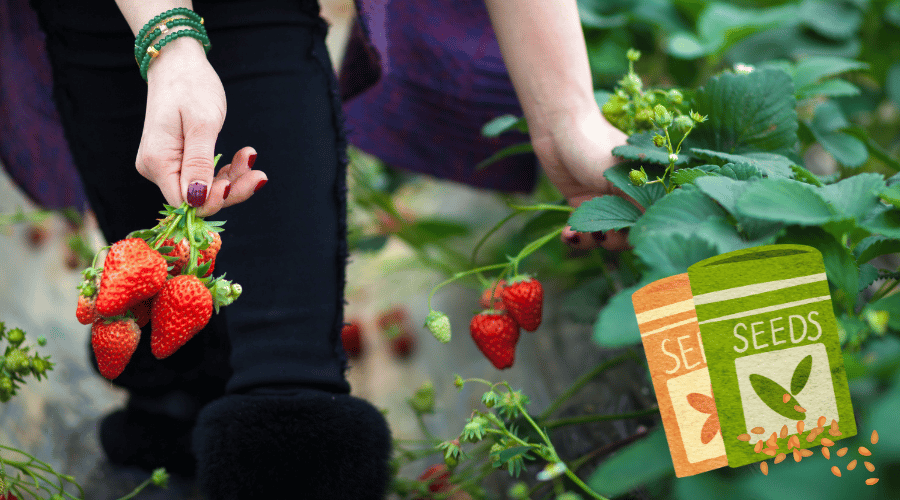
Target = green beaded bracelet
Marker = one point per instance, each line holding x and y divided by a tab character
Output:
141	47
153	51
178	11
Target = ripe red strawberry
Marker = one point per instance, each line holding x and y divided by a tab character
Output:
114	341
403	344
37	236
182	251
8	496
394	316
524	299
496	335
141	312
181	309
437	477
132	272
87	310
351	337
497	291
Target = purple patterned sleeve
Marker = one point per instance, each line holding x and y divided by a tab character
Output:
33	148
420	80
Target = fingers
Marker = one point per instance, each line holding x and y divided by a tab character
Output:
197	168
235	182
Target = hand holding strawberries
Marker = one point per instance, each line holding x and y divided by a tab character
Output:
160	275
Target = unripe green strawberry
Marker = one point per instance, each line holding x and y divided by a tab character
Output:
15	336
439	325
114	343
496	335
524	299
132	272
675	96
181	309
683	123
663	116
637	177
17	361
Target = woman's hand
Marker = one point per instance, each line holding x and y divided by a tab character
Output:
185	112
574	152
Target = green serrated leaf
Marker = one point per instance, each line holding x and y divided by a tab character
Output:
645	195
801	375
875	246
502	124
828	88
748	115
855	197
810	70
772	164
840	265
803	175
885	222
681	212
689	175
616	325
771	393
835	20
640	148
721	25
604	213
740	171
891	194
784	200
671	255
868	274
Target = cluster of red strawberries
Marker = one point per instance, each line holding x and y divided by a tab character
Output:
159	276
509	306
393	323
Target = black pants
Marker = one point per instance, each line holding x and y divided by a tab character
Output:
286	245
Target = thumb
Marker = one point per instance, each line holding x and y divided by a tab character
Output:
197	169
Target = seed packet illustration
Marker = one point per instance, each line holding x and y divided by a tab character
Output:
671	338
772	346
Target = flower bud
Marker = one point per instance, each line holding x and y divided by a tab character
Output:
659	141
743	69
633	55
683	123
637	177
518	491
675	96
663	116
15	336
632	83
673	158
6	385
42	341
160	478
644	115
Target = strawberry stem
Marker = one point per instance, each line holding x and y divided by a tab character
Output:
460	275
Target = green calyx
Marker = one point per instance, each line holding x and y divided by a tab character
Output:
179	224
223	291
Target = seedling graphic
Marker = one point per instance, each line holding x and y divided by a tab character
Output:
773	395
706	404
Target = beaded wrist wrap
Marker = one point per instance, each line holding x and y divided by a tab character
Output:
144	52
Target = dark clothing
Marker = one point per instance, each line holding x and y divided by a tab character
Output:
286	245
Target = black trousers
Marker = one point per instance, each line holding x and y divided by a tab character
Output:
286	246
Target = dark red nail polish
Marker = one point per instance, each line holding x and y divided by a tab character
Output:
574	239
260	185
196	194
227	190
251	160
598	236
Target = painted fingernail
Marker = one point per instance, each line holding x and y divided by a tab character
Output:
574	239
598	236
196	194
251	160
227	190
260	185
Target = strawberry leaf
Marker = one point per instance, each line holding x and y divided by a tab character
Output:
875	246
604	213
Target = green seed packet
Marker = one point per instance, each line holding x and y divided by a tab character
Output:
771	342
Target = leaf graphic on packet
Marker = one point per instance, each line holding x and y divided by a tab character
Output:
801	375
771	393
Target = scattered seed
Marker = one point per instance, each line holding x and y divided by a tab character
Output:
842	452
874	437
806	453
835	433
758	447
784	432
871	481
758	430
864	451
870	466
785	398
827	442
800	408
834	425
826	453
822	421
851	465
772	441
793	441
770	451
780	458
796	455
764	467
835	470
744	437
800	426
811	436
